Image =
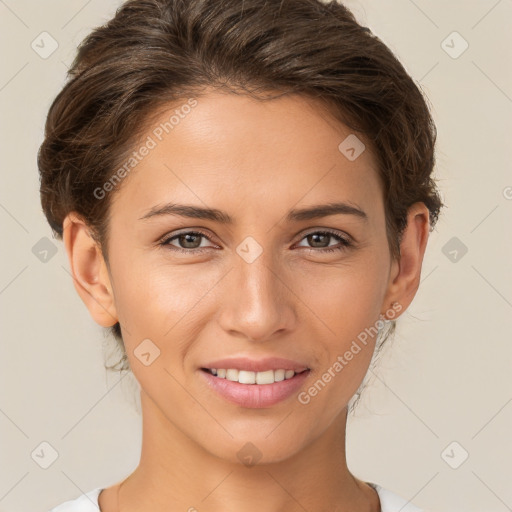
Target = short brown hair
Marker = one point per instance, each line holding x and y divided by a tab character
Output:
153	52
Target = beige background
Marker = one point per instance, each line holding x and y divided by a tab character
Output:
445	378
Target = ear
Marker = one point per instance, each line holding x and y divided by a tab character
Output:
89	271
405	275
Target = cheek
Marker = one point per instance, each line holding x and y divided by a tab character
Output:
348	307
344	296
162	301
346	304
175	296
153	295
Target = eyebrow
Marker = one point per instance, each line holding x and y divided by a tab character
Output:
308	213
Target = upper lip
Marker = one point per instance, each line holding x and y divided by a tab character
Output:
257	365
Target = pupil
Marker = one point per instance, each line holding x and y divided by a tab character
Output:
187	238
315	239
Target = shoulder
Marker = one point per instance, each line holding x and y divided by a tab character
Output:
85	503
391	502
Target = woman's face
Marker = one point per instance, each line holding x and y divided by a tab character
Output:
268	283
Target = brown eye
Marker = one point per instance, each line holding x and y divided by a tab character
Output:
320	240
189	241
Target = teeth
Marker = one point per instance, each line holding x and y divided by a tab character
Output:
232	374
247	377
279	375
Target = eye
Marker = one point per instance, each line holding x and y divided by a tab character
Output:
190	241
319	238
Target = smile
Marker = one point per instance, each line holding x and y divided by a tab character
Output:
248	377
254	389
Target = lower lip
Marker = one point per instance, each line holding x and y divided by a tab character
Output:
255	395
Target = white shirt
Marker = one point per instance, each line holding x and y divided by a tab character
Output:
389	502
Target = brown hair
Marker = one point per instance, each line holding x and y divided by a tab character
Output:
154	52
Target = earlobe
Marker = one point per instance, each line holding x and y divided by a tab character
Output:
404	283
89	271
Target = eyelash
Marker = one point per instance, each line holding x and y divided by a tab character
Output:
345	243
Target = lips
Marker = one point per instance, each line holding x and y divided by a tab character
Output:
255	395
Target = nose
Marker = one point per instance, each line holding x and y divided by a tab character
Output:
257	301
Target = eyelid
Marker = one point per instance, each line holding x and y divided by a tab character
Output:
346	239
301	235
169	236
330	231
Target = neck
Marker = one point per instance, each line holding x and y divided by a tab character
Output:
175	473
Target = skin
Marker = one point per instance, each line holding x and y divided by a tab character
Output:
293	301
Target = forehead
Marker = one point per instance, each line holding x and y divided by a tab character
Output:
224	149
